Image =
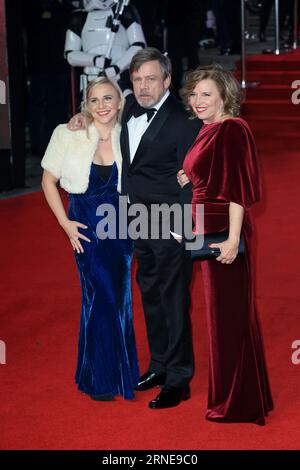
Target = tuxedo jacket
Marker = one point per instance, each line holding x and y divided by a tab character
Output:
151	177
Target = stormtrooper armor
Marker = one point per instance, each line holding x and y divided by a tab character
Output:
103	38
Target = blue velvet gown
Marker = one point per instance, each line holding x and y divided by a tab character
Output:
107	359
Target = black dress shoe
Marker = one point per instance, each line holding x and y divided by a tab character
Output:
230	51
170	396
262	37
149	380
225	51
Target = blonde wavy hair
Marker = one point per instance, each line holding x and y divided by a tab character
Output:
229	88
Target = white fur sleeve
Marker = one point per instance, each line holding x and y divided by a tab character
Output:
55	151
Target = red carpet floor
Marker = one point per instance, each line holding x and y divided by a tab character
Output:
40	407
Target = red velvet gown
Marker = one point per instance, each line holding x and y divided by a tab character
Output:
222	166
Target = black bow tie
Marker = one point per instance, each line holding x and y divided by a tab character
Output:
139	110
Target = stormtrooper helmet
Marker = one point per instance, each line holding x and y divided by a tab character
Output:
90	5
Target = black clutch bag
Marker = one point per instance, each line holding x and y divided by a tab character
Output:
209	253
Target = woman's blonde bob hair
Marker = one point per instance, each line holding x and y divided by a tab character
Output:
93	84
229	88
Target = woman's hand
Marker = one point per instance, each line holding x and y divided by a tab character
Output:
53	198
229	250
71	229
230	247
182	179
76	123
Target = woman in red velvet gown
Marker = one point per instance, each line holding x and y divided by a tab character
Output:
222	166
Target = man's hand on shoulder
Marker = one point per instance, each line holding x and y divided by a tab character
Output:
76	123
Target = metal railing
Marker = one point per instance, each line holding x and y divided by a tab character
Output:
277	50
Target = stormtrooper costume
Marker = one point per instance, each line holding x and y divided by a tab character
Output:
102	39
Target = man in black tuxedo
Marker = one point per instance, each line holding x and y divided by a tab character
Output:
156	134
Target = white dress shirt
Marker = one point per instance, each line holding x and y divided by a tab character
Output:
137	126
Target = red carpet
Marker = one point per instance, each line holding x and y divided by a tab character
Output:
269	108
40	407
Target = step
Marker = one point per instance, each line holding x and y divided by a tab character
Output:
276	126
256	107
270	78
269	92
271	66
276	145
268	144
270	62
285	137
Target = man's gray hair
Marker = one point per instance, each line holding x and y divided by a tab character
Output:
148	54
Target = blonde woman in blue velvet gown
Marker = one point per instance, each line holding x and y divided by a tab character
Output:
88	165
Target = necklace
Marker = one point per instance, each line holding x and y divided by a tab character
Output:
104	140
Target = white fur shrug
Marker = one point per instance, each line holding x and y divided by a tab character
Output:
69	156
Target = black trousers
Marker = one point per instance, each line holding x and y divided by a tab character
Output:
164	275
286	8
228	18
